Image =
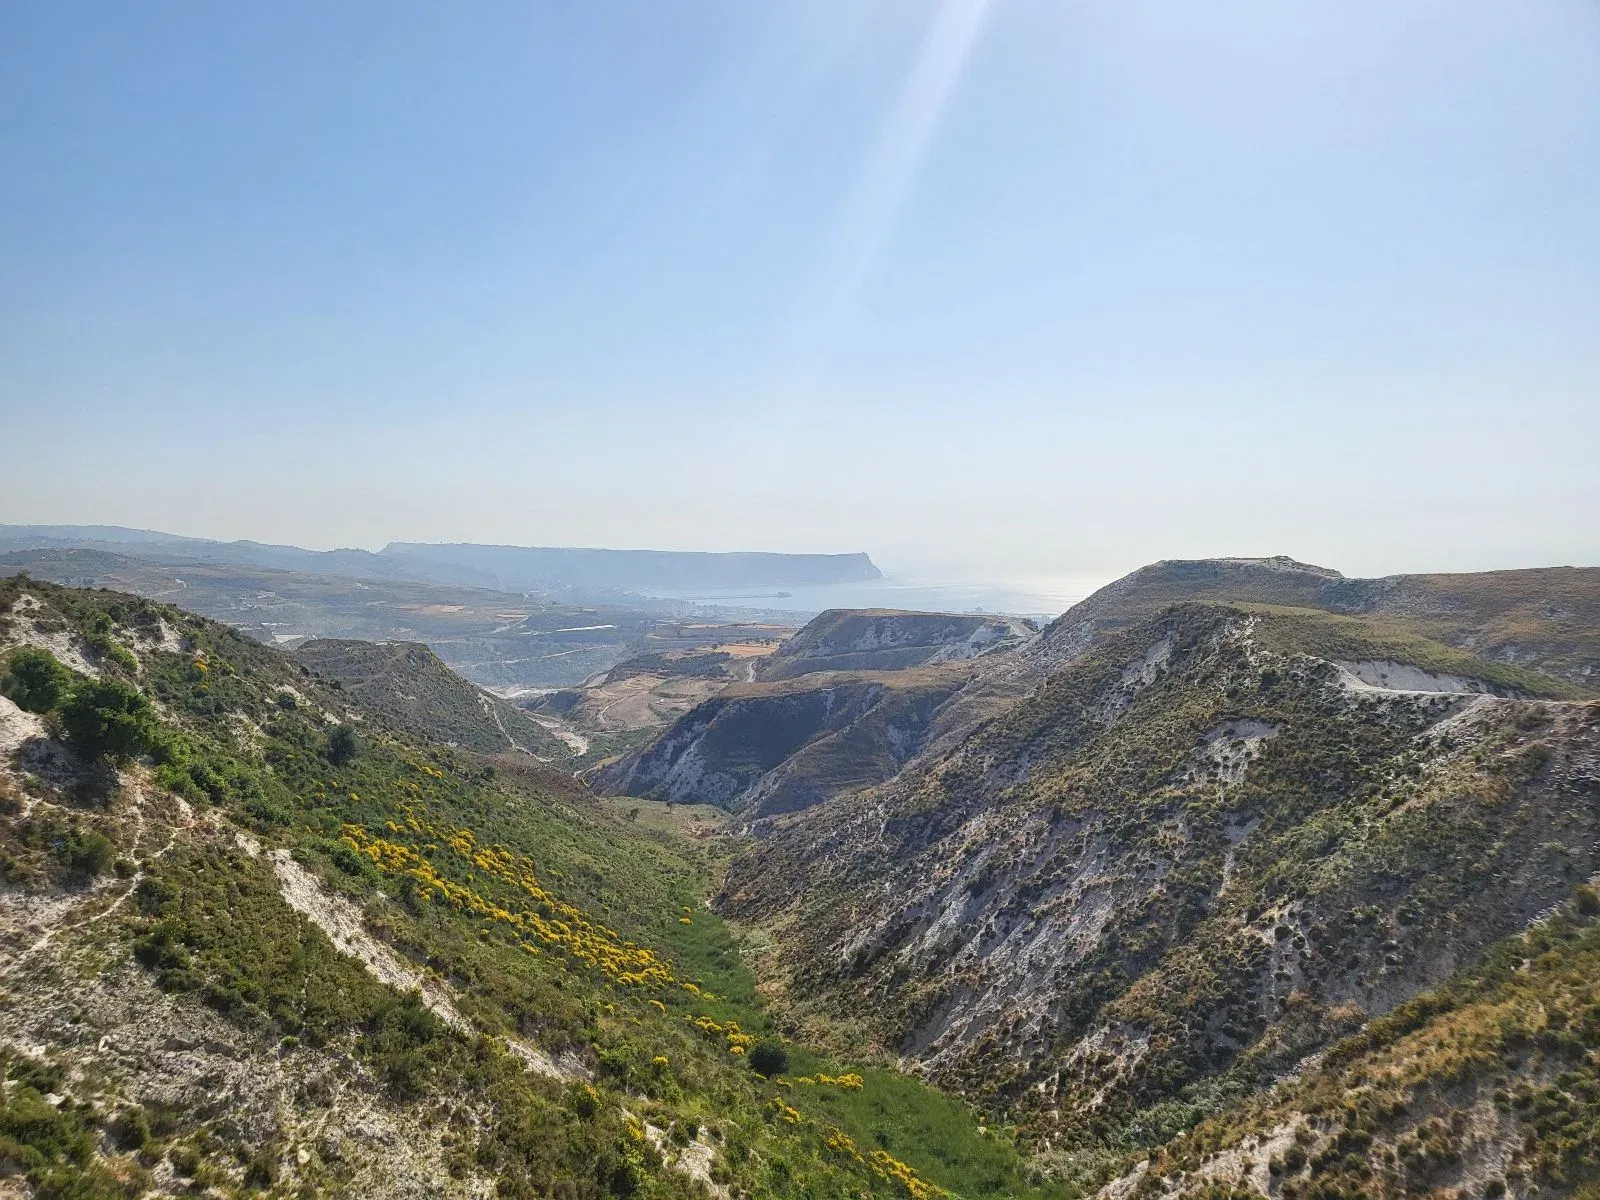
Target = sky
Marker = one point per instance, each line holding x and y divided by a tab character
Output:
991	290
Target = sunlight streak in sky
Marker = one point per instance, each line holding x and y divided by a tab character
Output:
869	213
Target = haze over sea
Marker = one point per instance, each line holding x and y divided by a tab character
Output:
1041	597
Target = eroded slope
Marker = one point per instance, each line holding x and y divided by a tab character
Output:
1195	855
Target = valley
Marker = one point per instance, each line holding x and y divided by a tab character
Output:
1239	877
696	603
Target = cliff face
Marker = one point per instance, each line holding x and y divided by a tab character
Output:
843	704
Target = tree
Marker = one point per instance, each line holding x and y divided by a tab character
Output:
110	720
769	1057
342	744
36	681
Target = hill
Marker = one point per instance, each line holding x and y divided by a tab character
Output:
1546	619
766	748
665	679
256	939
844	703
1255	897
417	694
778	750
1198	853
879	639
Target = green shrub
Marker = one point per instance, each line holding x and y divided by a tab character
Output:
769	1057
1588	900
110	720
36	681
99	633
343	745
88	854
131	1129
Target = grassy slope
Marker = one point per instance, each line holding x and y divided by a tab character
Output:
1546	618
208	923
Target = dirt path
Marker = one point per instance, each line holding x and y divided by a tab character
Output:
58	918
493	709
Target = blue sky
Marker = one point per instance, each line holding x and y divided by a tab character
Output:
1012	289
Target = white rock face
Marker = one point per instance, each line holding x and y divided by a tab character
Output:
1403	677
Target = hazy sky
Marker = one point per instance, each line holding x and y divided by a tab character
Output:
1015	289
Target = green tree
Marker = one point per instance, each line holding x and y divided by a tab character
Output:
342	745
769	1057
36	681
110	720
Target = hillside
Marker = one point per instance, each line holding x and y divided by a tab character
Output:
1546	620
1251	897
877	639
418	695
1197	854
1486	1087
734	749
766	748
844	703
657	686
256	940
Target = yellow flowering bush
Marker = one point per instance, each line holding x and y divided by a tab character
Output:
738	1041
892	1168
546	919
784	1113
850	1083
842	1144
883	1165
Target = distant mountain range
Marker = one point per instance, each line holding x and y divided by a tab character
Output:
502	568
514	568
